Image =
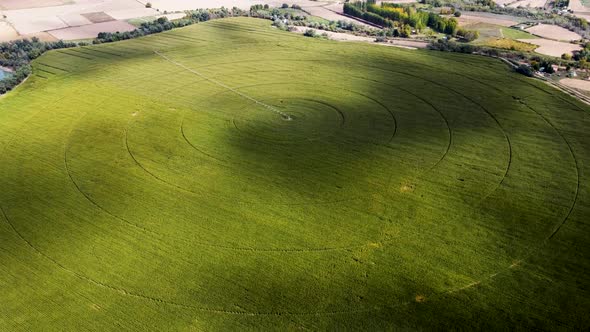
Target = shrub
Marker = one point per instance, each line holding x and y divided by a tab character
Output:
468	35
285	6
310	33
548	67
405	31
525	70
148	5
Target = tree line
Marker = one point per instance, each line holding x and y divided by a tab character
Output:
18	55
163	24
404	18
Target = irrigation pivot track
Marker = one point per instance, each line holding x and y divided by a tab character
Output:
164	190
241	94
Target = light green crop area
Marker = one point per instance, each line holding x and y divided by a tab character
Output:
156	184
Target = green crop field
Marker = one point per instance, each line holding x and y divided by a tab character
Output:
231	176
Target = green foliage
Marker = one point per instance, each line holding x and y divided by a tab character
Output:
310	33
516	34
18	54
468	35
524	70
163	24
357	11
387	15
547	67
405	31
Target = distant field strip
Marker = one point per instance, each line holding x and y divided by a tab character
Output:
154	184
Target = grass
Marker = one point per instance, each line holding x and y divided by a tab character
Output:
317	19
499	35
412	189
516	34
486	31
138	21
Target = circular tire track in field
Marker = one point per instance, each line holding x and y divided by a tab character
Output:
211	245
283	313
506	137
125	292
440	113
502	180
203	151
299	118
86	196
576	166
564	220
199	243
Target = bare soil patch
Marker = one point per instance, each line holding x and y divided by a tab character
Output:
43	36
551	47
503	2
339	36
406	187
74	13
529	4
553	32
328	10
577	6
91	30
98	17
576	84
23	4
505	21
74	20
7	32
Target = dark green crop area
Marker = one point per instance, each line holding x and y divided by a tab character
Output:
156	184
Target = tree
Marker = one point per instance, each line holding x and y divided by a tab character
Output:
548	67
451	27
441	26
406	31
468	35
310	33
525	70
148	5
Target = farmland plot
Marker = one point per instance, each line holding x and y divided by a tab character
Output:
231	176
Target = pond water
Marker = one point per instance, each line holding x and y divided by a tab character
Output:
3	74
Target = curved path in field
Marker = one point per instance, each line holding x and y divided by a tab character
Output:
160	178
